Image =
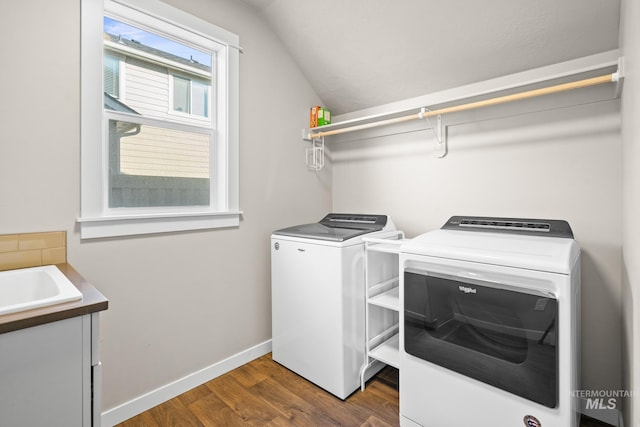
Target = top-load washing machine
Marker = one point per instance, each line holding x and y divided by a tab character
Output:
489	331
317	291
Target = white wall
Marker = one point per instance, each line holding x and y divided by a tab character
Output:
559	164
178	302
630	43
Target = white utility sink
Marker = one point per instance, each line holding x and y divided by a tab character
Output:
34	287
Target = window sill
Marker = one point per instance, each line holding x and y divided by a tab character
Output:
130	225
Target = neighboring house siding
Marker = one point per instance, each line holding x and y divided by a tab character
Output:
165	152
146	90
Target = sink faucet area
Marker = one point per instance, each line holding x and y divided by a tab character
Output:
34	287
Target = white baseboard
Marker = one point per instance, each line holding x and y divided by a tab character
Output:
153	398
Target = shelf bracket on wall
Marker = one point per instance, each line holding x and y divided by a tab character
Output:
440	132
618	76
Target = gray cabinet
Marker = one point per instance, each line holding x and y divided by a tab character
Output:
48	372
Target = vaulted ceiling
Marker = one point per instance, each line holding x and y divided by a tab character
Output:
361	53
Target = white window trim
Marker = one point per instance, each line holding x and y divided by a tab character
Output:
96	219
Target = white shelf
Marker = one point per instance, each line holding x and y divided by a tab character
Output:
384	245
375	289
388	352
388	299
382	301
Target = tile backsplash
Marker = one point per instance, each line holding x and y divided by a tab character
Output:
32	249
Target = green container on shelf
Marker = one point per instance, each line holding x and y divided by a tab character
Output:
324	116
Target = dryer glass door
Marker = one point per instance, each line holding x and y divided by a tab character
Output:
503	337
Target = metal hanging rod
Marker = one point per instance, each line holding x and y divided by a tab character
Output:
424	113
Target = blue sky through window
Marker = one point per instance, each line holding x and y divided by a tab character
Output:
126	31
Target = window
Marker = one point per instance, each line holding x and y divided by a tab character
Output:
111	75
181	94
160	133
191	96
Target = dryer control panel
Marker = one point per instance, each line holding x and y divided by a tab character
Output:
538	227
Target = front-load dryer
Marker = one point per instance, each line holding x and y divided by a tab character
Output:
317	292
489	331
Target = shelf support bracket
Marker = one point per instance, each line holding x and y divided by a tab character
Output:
306	135
618	76
440	132
441	136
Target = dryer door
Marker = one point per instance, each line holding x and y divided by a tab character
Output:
501	335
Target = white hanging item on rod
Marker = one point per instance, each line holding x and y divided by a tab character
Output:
315	154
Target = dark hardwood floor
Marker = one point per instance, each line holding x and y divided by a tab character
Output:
263	393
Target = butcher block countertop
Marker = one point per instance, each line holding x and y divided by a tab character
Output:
92	301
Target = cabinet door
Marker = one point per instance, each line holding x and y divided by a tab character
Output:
41	374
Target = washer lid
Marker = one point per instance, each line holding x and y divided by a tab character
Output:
336	227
